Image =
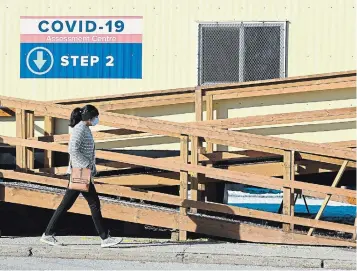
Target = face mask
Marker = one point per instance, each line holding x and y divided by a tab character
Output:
95	121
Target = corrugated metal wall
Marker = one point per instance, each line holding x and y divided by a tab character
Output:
321	38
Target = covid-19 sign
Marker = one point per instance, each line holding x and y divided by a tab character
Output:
81	47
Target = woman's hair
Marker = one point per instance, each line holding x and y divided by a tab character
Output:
85	113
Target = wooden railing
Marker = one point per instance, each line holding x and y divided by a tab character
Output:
194	169
185	132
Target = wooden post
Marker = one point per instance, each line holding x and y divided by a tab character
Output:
354	234
288	194
20	133
328	197
209	116
197	188
30	132
183	182
193	175
49	130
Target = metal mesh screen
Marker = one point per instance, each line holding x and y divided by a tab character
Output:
241	52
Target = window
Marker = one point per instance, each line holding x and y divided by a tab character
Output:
240	52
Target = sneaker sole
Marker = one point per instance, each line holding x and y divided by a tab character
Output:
48	242
111	245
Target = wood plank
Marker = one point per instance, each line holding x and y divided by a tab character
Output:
252	121
282	84
183	181
97	135
344	144
209	117
231	138
267	169
30	132
288	193
158	179
215	173
7	112
328	197
146	102
179	201
329	160
193	175
20	133
208	157
174	200
284	118
228	92
246	212
49	130
265	83
107	188
199	117
287	90
161	218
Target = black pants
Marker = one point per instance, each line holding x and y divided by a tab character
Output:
67	202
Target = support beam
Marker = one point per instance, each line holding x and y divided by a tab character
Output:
209	117
150	196
214	173
49	132
328	197
30	132
231	138
7	112
194	175
284	118
20	133
228	91
288	193
162	218
276	82
183	182
199	95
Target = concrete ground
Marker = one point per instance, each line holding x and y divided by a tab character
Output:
202	254
13	263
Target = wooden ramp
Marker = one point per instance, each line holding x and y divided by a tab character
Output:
263	161
49	198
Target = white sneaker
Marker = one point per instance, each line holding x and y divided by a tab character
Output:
111	241
49	239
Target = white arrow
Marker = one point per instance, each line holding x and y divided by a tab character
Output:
39	61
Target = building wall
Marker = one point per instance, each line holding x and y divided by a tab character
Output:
321	38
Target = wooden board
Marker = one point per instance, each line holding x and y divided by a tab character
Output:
231	138
279	82
21	161
30	132
253	121
232	92
49	130
215	173
285	118
160	218
7	112
182	201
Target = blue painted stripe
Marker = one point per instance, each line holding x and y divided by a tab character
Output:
127	60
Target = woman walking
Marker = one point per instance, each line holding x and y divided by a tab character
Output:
82	155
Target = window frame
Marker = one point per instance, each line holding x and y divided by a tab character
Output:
242	25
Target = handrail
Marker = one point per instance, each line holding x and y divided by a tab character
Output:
188	90
167	128
216	173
